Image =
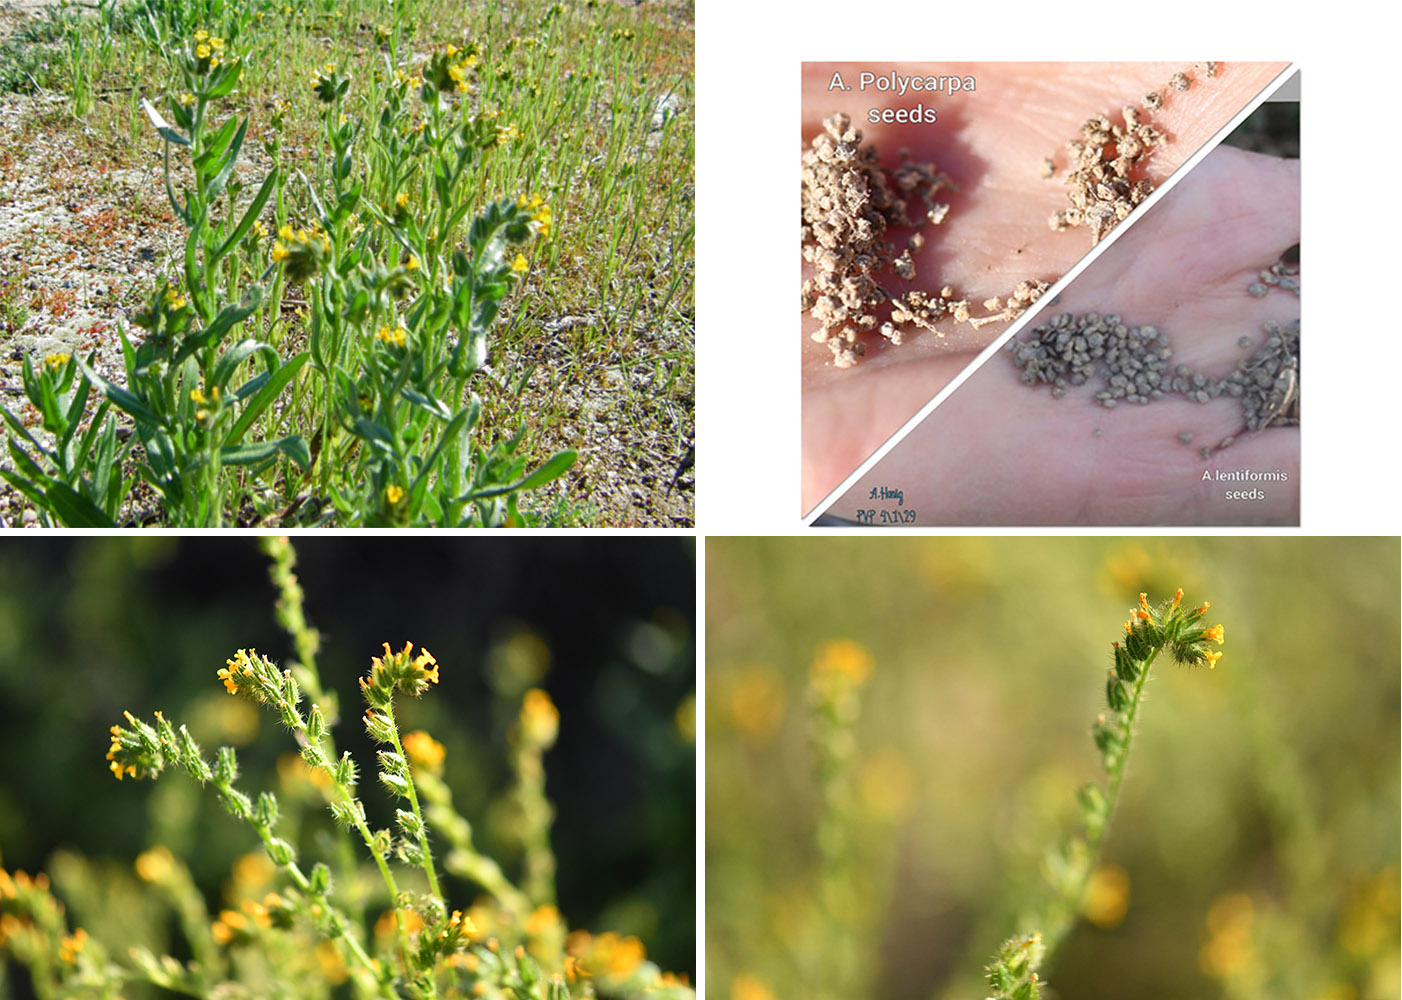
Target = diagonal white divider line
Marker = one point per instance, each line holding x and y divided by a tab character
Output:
1047	297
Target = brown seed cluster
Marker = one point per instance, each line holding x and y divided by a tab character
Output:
849	202
1105	183
1101	184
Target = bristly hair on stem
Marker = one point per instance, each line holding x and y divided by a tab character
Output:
1013	973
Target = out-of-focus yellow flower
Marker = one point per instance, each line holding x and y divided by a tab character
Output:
544	920
754	698
385	926
748	987
156	865
251	874
685	718
333	967
1229	948
72	946
424	751
841	658
540	719
1107	896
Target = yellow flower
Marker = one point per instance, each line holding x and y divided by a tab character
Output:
201	51
842	658
395	335
72	946
540	719
1212	659
412	264
1107	896
116	750
394	493
156	865
748	987
402	199
230	674
58	360
544	920
1216	634
424	750
200	399
520	265
403	671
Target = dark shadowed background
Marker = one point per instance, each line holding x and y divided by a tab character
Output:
90	627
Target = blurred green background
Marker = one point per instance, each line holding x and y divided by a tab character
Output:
90	627
1257	835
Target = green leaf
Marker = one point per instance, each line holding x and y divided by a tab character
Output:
160	454
236	355
377	434
74	509
269	391
215	146
121	399
215	331
25	486
556	467
449	435
224	85
18	427
294	447
250	216
26	464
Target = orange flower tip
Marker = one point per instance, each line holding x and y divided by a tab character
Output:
1217	634
1143	614
1144	600
1212	659
1177	598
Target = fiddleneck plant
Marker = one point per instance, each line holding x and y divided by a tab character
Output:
311	933
1014	973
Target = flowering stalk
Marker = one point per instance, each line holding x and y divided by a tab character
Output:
463	859
140	750
1013	973
306	641
401	671
536	731
840	669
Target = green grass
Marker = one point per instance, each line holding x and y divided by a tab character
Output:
593	104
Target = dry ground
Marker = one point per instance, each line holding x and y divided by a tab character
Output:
82	242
